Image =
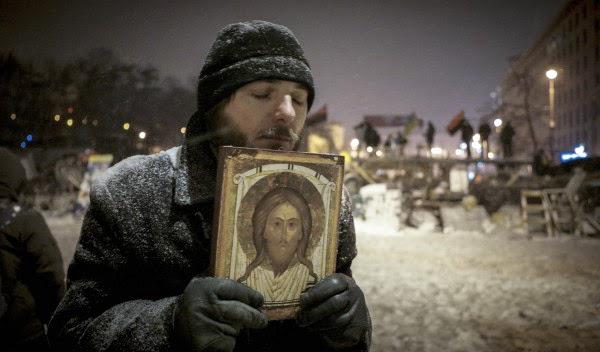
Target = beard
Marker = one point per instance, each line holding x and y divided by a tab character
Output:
227	133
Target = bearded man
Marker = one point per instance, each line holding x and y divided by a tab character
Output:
139	279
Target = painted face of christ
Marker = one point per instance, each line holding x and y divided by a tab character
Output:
281	226
283	232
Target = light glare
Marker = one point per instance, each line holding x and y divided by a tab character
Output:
551	74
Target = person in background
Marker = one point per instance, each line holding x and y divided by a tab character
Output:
429	136
31	265
467	134
506	137
485	131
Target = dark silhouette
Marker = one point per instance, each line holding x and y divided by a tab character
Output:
467	133
372	138
485	131
506	137
429	135
31	265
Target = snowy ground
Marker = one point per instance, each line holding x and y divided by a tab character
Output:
466	291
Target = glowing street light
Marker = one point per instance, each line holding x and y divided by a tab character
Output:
476	137
126	126
498	122
13	116
183	130
56	117
379	153
142	135
551	74
369	149
70	122
354	143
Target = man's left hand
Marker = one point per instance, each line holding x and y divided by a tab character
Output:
335	308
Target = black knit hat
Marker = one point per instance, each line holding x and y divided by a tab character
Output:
245	52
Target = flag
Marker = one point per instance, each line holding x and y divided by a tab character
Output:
455	123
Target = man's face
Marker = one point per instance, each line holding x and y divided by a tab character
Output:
283	231
267	114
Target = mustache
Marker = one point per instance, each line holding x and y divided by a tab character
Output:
279	132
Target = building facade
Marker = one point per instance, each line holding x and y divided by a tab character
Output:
571	46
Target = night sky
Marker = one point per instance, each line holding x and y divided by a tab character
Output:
431	57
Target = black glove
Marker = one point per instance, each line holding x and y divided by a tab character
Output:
336	309
211	312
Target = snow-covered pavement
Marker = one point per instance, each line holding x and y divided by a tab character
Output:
430	291
465	291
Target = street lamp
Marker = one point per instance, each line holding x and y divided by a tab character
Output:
551	74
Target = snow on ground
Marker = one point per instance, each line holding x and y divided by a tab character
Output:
465	291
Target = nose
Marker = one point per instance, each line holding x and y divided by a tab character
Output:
284	112
284	236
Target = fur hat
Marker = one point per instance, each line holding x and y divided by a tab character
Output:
245	52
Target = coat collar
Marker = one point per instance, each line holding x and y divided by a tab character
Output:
195	173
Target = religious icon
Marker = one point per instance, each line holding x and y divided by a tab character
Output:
276	222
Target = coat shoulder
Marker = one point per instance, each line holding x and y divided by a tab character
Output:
137	176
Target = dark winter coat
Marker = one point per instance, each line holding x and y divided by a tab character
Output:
146	234
31	263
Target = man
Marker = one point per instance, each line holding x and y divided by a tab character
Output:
139	278
485	131
31	265
281	234
506	136
429	136
467	135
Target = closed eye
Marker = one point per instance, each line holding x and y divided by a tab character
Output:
261	96
300	102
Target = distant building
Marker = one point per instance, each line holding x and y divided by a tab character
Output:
571	46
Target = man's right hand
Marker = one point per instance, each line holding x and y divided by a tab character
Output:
212	311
